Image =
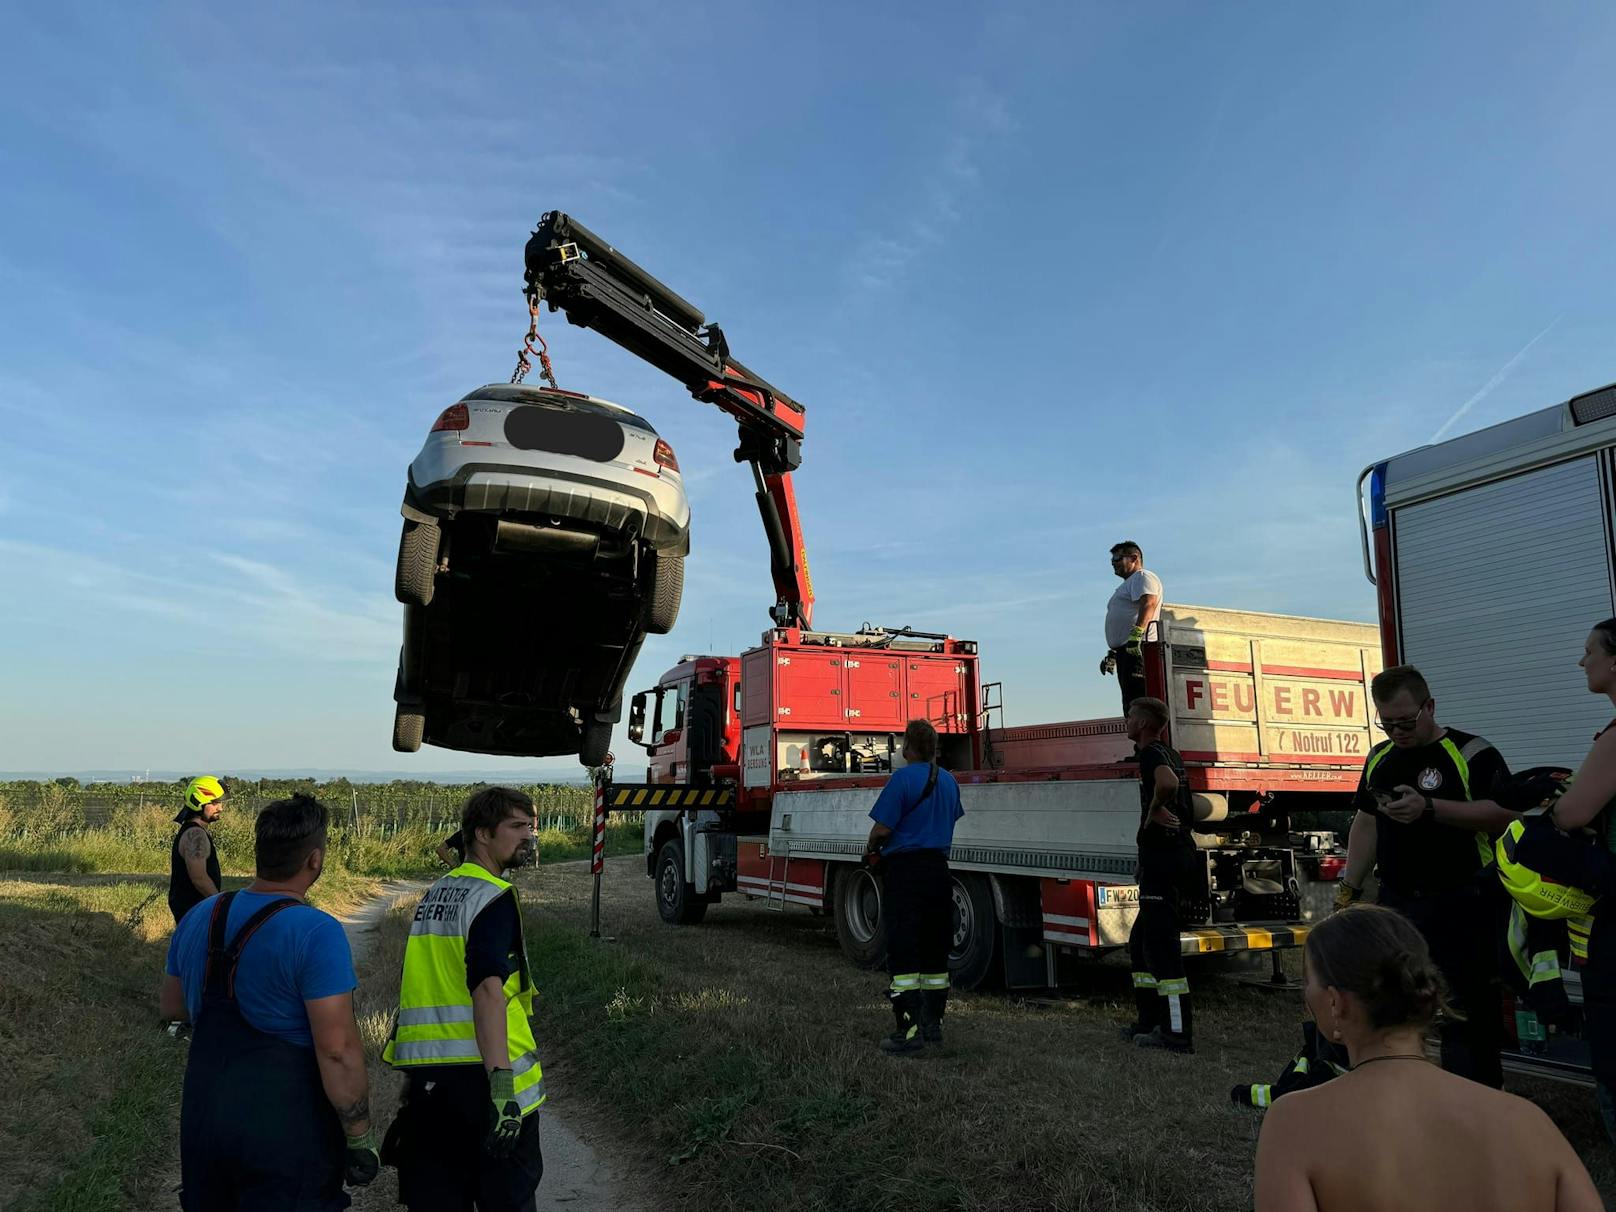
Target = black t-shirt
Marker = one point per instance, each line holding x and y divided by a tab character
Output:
494	946
1152	836
1428	857
182	893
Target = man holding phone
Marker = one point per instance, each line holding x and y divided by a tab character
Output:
1425	824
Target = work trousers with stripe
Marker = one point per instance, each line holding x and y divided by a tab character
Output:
917	902
1161	990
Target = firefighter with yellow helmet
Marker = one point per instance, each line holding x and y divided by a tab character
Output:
193	860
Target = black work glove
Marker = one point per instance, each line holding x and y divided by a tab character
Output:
1529	789
361	1163
504	1114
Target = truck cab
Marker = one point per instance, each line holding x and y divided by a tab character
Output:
690	723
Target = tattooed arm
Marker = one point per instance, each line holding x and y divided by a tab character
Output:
194	847
342	1060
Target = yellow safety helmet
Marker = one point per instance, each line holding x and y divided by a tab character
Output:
202	791
1530	890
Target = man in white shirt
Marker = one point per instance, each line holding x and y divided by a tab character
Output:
1131	610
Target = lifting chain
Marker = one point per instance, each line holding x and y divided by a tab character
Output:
525	355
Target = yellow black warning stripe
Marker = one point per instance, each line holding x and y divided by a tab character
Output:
667	795
1201	940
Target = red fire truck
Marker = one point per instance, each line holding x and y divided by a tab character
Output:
763	766
763	769
1492	556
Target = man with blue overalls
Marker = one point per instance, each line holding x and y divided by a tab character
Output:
275	1114
914	828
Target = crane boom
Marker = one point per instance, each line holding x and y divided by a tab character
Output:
574	271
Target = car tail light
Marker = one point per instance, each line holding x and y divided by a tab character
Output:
664	456
455	417
1330	868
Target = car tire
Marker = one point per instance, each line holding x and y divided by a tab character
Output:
976	931
594	743
667	588
408	729
676	900
856	907
417	562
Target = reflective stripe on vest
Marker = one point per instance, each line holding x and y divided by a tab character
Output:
1474	747
435	1023
1461	762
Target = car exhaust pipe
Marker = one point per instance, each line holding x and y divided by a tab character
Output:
524	538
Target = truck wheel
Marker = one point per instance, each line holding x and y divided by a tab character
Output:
856	904
408	728
970	957
417	563
676	900
594	744
667	588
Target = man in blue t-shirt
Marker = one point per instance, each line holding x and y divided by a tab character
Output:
914	828
276	1111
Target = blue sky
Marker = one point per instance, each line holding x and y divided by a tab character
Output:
1045	276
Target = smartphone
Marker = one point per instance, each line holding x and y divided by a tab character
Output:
1382	797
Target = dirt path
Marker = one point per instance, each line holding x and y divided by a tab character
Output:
578	1176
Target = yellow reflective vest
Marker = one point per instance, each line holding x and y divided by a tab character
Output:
434	1024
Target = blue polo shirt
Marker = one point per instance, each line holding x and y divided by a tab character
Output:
299	955
916	823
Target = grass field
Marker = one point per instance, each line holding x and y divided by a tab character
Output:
737	1060
89	1076
733	1064
92	1083
136	840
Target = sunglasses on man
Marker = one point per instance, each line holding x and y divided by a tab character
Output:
1406	723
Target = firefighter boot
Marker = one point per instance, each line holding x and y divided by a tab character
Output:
1146	1009
1173	1034
932	1009
907	1008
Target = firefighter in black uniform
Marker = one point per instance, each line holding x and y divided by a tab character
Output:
193	861
1167	858
1425	824
913	831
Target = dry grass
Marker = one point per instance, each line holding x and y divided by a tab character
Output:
737	1059
90	1078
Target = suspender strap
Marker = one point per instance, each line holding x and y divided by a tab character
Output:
220	980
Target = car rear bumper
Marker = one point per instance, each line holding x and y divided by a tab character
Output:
599	504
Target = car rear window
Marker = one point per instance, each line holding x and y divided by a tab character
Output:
516	394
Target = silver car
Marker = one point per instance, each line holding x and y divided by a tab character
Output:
545	534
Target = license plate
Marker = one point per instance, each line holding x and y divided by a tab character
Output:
1117	894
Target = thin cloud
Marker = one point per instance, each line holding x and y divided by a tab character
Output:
979	117
1492	384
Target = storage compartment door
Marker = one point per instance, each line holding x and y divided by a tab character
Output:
808	690
935	691
874	692
1497	587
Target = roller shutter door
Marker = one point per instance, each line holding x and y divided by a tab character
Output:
1497	586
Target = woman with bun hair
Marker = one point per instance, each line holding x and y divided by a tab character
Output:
1395	1131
